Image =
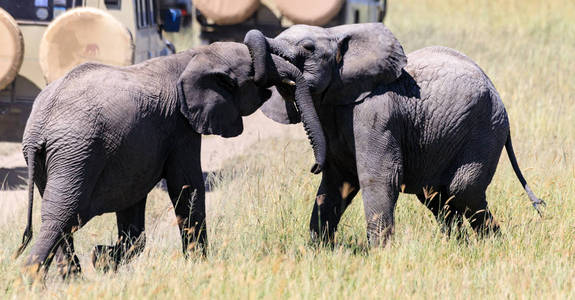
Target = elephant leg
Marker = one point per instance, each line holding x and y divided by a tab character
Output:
478	214
380	172
469	182
183	174
131	235
66	259
379	199
190	208
333	197
43	250
57	222
443	210
66	200
131	239
380	191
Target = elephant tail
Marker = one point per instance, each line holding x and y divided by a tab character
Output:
28	231
534	200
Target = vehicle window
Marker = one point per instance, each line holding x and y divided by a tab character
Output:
37	10
113	4
145	13
152	12
140	13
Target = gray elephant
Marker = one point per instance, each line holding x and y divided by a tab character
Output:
430	124
100	138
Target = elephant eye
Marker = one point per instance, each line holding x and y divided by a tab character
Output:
308	45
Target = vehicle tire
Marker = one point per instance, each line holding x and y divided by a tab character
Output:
310	12
227	12
81	35
12	49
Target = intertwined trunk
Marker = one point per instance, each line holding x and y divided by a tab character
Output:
273	70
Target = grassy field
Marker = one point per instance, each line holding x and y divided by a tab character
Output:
259	210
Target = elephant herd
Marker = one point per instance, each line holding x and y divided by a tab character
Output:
429	123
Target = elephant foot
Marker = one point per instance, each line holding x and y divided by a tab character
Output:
322	240
67	263
70	270
104	258
195	249
33	273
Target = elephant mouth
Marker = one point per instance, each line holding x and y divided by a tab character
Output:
287	92
299	63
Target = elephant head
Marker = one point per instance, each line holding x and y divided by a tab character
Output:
339	63
218	87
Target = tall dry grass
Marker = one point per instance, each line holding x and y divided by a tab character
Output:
259	211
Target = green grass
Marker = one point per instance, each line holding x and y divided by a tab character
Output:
258	214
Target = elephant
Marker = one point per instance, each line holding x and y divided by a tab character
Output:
101	137
430	123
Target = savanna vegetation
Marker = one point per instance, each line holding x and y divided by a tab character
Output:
259	207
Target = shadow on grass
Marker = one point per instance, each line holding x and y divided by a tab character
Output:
13	178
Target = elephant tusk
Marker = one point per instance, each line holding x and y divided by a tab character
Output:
288	82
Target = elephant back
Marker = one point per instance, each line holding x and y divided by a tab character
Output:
81	35
12	49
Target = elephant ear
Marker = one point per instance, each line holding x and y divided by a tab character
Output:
206	96
280	110
368	54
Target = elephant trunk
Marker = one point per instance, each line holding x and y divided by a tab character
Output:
274	70
285	50
281	76
260	48
256	42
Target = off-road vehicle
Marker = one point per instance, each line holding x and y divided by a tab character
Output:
41	40
229	20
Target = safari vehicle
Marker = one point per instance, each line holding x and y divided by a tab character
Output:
41	40
229	20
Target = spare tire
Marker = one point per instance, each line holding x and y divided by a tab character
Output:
310	12
227	12
12	49
81	35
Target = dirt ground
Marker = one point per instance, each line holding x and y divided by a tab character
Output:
257	126
215	150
